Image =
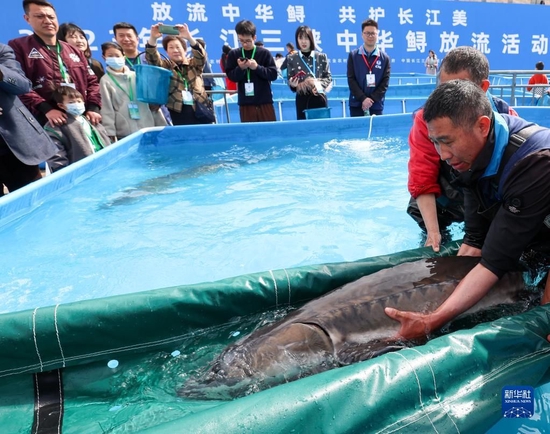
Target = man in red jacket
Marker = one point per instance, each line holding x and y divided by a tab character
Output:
49	63
435	202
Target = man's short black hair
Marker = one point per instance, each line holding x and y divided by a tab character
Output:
27	3
245	27
369	23
124	25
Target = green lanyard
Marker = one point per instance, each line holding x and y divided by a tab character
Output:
93	137
251	57
132	64
130	93
62	68
182	77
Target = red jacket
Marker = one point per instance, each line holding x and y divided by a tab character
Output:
424	159
229	85
537	79
41	66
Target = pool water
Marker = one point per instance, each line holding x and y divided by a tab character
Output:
166	216
131	392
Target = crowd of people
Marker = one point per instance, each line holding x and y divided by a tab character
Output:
104	105
472	159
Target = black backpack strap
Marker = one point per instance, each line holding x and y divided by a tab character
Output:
515	141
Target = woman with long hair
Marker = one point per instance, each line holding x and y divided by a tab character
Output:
308	73
431	63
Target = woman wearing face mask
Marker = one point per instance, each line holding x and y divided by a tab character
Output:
75	36
77	138
121	112
308	73
186	83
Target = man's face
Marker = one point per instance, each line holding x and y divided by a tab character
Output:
370	37
457	146
247	41
43	21
127	39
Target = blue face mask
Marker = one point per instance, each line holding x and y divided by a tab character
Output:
115	62
75	108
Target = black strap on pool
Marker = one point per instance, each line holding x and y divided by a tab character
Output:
48	402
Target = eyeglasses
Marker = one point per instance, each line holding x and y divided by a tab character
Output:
246	41
370	34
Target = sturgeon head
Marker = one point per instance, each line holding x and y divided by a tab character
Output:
344	326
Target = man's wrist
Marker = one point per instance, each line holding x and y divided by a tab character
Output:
434	321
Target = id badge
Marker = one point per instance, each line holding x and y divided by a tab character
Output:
187	97
319	87
249	89
133	109
371	80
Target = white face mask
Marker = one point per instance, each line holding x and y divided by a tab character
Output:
75	108
115	62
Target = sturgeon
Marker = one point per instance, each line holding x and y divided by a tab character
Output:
344	326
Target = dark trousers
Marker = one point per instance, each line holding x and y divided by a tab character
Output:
257	113
14	174
185	117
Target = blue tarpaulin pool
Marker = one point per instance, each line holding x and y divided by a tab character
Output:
113	364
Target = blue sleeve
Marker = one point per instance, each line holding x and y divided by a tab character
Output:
13	79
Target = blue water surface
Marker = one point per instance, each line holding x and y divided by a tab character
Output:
166	216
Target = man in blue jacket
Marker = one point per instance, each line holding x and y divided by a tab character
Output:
504	165
23	142
368	74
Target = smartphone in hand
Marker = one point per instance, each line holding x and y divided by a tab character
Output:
168	30
300	76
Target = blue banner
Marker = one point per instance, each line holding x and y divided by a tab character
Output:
408	30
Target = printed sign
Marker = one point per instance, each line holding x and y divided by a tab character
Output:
407	30
518	402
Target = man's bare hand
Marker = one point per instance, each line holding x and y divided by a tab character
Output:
413	324
93	117
433	240
56	117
